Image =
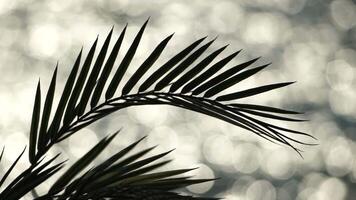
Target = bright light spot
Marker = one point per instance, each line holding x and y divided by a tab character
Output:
331	189
343	13
241	185
81	142
336	164
163	136
15	142
279	164
217	149
150	116
226	16
246	158
233	197
6	6
265	29
203	171
261	190
340	75
311	180
342	102
44	40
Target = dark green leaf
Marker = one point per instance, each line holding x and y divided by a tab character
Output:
113	172
90	84
222	77
174	183
113	169
64	98
252	92
182	66
107	69
262	108
26	187
78	166
193	72
43	137
143	162
124	64
151	177
145	66
71	111
232	81
34	124
2	153
267	115
144	170
168	65
116	157
208	73
7	173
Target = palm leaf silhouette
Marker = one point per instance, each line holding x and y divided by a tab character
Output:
181	81
122	176
184	90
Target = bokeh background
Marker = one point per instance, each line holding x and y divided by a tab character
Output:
310	41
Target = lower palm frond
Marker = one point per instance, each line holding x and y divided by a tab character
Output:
122	176
29	179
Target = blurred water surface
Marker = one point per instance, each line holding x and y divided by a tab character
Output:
311	41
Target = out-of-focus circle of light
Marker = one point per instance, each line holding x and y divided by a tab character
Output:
301	59
246	158
241	185
177	17
233	197
6	6
305	194
278	164
264	28
337	165
261	190
58	6
163	136
188	150
343	13
15	142
289	6
151	116
224	15
331	189
326	130
340	74
203	171
342	102
311	180
44	40
217	149
81	142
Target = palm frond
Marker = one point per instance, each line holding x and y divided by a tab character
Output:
185	82
7	173
29	179
121	175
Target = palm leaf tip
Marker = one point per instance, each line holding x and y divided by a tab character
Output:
125	63
34	124
252	91
145	65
